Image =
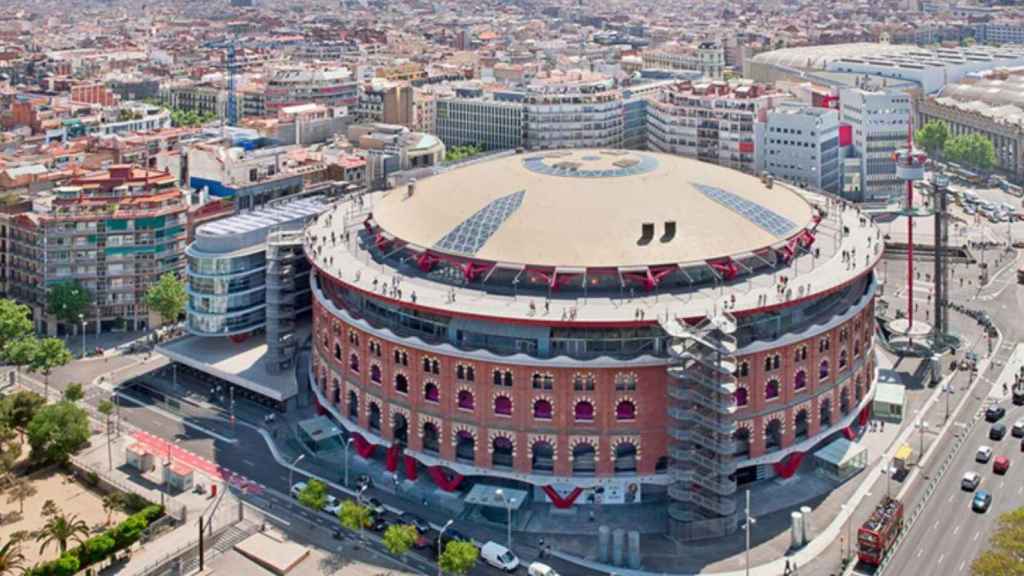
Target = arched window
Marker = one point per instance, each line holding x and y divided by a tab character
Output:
337	351
773	435
503	405
625	410
771	389
508	378
398	357
583	382
856	348
800	379
625	457
426	364
336	392
542	409
497	377
536	380
825	413
543	458
858	392
741	439
842	359
401	384
375	373
353	405
801	424
584	411
776	362
460	372
502	455
431	393
435	367
844	401
625	382
465	446
470	376
431	440
465	400
374	417
740	396
584	459
823	370
744	368
400	430
767	363
353	362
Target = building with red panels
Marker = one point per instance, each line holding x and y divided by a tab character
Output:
627	326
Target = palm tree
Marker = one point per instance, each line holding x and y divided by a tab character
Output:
60	529
21	491
111	502
12	561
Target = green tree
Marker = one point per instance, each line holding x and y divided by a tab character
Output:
12	560
314	495
972	149
459	557
456	153
57	431
74	392
1005	557
18	409
353	515
106	407
398	538
14	322
9	453
167	297
51	353
21	351
21	490
68	301
112	503
932	136
61	529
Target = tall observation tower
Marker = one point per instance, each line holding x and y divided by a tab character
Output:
910	164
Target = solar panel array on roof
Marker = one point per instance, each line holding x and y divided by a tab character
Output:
537	164
768	220
472	233
265	217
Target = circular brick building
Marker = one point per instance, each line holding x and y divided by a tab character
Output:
594	326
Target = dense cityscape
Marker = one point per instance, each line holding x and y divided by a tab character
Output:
356	288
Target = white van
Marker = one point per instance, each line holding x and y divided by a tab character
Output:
498	556
539	569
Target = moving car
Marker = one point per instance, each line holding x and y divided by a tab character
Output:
539	569
1001	464
498	556
297	488
450	535
379	524
994	413
422	526
375	506
970	481
997	432
331	505
982	500
983	455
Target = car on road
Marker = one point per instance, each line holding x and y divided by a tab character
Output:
970	481
422	526
983	455
539	569
331	505
297	488
981	501
1001	464
442	540
498	556
994	413
997	432
1018	428
379	523
375	506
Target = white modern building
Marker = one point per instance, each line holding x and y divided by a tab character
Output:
879	122
574	114
800	144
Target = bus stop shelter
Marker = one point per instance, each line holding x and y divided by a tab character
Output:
890	402
840	460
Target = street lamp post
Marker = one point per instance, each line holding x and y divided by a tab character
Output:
440	539
508	508
291	470
347	444
748	521
81	318
921	427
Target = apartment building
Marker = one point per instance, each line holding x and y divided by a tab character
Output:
707	57
573	113
329	86
492	120
712	121
115	232
800	144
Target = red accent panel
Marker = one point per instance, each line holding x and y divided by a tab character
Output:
862	418
239	338
726	267
391	461
410	468
845	135
849	433
426	261
558	501
806	238
746	147
443	481
788	465
363	448
470	271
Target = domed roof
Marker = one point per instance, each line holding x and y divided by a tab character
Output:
589	208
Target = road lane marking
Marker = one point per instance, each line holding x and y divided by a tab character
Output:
956	529
961	568
951	496
1001	482
941	556
936	525
249	463
976	536
919	552
1021	489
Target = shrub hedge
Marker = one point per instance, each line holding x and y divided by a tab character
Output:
99	547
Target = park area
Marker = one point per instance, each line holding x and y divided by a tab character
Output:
74	500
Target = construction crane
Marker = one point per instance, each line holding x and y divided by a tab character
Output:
232	67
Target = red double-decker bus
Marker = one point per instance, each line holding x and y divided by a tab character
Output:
877	534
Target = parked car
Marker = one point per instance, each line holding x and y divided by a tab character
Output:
450	535
332	505
1018	428
983	455
970	481
375	506
498	556
981	501
297	488
422	526
539	569
997	432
